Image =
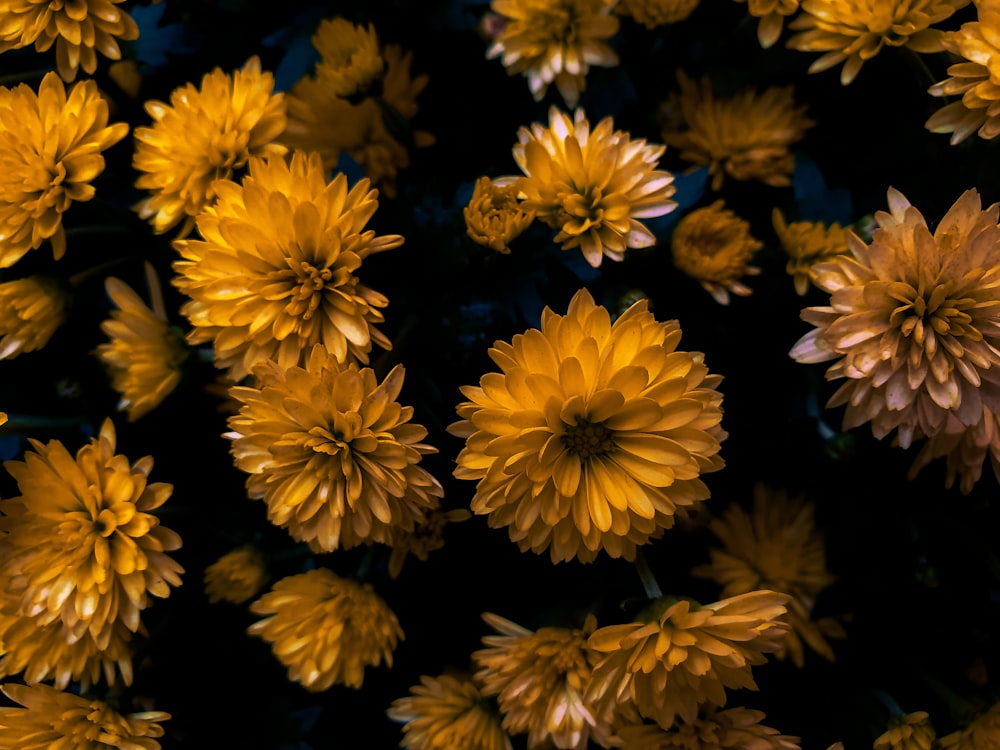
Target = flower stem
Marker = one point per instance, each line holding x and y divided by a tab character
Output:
649	583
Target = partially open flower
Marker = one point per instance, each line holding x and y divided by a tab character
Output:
350	62
31	310
807	243
494	217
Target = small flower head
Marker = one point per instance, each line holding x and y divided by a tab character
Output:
426	536
981	733
494	217
807	243
236	577
731	729
772	15
965	449
31	310
907	732
350	62
653	13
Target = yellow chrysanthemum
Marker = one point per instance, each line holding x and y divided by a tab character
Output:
204	134
853	31
746	136
494	217
426	536
326	629
235	577
965	450
78	29
731	729
593	435
772	14
982	733
653	13
50	151
350	62
332	452
913	321
807	243
444	713
592	185
554	41
714	246
31	310
907	732
274	273
50	718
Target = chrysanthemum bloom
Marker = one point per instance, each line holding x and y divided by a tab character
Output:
653	13
78	29
31	310
746	136
772	14
274	273
807	243
50	151
554	41
680	655
443	713
714	247
853	31
907	732
593	435
50	718
913	321
235	577
494	217
965	450
326	629
204	134
776	547
426	536
592	185
981	733
731	729
332	452
350	62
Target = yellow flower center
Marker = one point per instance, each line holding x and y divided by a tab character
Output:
586	439
944	314
308	295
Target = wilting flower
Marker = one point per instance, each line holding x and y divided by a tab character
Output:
746	136
732	729
653	13
852	31
443	713
913	321
235	577
907	732
274	273
592	436
807	243
50	151
772	14
592	185
965	450
981	733
426	536
332	452
554	42
31	310
326	629
204	134
681	655
494	217
79	30
350	62
50	718
714	246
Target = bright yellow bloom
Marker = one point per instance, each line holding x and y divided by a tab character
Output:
772	14
907	732
494	217
274	272
326	629
732	729
31	310
982	734
350	62
49	718
653	13
913	321
444	713
50	151
426	536
554	41
853	31
332	452
965	450
592	436
78	29
235	577
204	134
807	243
592	185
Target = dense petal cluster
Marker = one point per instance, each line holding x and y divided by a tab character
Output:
807	243
772	15
653	13
981	733
31	310
965	449
731	729
235	577
350	61
907	732
494	217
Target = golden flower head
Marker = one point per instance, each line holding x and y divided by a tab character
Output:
326	629
50	151
31	310
350	62
981	734
79	30
745	136
332	452
807	243
554	42
712	729
680	655
772	14
907	732
593	435
653	13
50	718
913	320
236	577
965	450
444	713
425	537
204	134
274	272
714	246
592	185
494	216
853	31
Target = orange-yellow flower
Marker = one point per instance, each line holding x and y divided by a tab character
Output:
235	577
981	733
907	732
807	243
772	15
731	729
965	450
426	536
350	62
494	217
31	310
653	13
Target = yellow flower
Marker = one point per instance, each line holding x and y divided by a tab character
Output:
444	713
235	577
852	31
204	134
592	185
913	321
592	436
907	732
274	273
653	13
732	729
50	151
772	14
31	310
350	62
965	450
426	536
78	29
494	217
714	246
554	41
982	733
50	718
807	243
681	655
326	629
746	136
332	452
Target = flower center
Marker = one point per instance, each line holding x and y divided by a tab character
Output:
943	314
307	295
586	439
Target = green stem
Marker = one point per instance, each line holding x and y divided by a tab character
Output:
649	583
